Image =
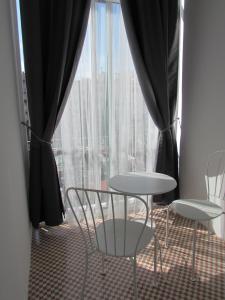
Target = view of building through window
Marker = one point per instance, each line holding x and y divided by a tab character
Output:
106	128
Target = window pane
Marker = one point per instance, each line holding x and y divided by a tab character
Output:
106	128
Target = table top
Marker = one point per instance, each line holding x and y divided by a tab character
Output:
142	183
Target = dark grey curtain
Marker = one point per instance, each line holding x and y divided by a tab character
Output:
152	30
53	34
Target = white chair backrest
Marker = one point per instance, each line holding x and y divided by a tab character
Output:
215	176
94	207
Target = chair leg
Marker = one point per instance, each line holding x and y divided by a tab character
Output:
167	226
85	277
135	277
209	232
193	251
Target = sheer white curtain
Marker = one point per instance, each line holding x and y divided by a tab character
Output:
106	128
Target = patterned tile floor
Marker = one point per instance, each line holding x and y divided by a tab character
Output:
57	267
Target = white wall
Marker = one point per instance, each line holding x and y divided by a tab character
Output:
203	116
14	225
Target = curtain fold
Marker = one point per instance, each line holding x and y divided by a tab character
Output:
106	128
53	34
152	30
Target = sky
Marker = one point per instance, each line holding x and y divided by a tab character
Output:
20	34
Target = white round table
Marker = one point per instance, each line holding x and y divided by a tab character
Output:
143	183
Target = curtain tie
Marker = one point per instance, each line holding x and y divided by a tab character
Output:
170	126
35	135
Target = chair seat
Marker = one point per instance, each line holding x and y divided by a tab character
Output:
194	209
116	237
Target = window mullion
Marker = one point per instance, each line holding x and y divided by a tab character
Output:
109	70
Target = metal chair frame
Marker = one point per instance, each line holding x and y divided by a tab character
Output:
216	194
86	234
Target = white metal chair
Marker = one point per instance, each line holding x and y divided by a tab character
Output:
203	210
110	230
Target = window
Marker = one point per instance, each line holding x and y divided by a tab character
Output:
106	128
